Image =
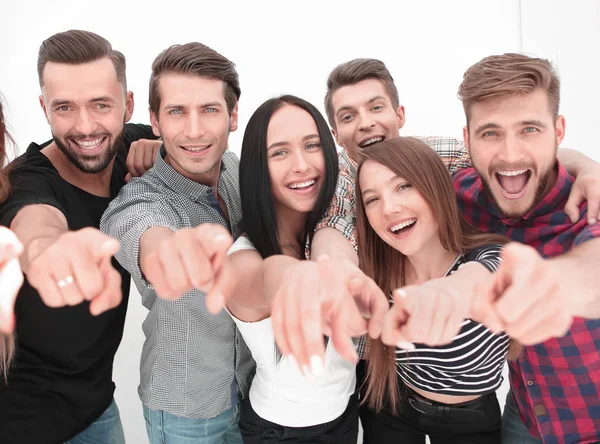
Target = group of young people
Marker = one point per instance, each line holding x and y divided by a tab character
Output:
293	291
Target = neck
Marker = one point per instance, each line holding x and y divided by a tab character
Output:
290	228
209	178
97	184
430	263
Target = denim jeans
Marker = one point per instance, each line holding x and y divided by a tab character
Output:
165	428
106	429
513	429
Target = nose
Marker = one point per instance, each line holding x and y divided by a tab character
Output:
194	127
510	150
366	121
84	123
389	205
300	162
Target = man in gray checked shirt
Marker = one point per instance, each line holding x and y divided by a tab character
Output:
175	225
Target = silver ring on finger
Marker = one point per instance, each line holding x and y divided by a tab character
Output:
62	283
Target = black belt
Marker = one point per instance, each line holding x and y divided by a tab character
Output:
433	408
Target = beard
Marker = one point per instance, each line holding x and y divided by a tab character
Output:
541	190
90	164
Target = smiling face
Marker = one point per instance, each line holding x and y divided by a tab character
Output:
295	159
86	108
194	124
364	115
513	143
396	211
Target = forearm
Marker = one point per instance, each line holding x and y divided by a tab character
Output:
37	227
579	278
329	241
572	160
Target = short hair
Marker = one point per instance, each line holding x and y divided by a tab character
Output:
258	206
355	71
76	47
198	60
506	75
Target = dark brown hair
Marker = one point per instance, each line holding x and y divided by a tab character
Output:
76	47
420	166
198	60
355	71
506	75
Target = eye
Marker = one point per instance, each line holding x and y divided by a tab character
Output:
211	110
101	106
63	108
312	146
530	129
370	200
279	153
347	118
489	134
377	108
403	186
175	111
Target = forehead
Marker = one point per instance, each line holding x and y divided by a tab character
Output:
78	82
507	111
374	175
359	93
184	89
290	122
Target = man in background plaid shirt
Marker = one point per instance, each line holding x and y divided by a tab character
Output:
518	188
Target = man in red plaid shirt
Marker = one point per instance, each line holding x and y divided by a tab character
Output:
545	292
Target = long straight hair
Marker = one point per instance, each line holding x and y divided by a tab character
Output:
258	205
7	342
420	166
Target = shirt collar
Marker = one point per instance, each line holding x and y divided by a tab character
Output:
348	163
179	183
549	204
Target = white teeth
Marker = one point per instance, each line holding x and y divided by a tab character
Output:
195	149
511	173
302	184
401	225
371	141
89	144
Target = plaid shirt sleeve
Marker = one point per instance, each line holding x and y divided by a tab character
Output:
588	233
341	213
452	151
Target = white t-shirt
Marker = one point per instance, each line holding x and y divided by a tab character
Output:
279	392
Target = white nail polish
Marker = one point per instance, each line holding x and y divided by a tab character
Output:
405	345
316	365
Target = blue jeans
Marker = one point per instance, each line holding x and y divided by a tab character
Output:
513	429
165	428
106	429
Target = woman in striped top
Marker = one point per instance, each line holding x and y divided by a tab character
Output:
412	236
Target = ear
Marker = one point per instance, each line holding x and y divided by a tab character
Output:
43	105
400	116
466	137
128	106
337	140
154	123
559	127
233	120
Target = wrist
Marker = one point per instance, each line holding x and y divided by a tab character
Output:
34	248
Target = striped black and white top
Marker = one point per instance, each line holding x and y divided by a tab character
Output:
472	363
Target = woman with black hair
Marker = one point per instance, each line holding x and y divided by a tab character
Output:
288	173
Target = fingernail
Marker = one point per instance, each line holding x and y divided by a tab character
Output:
405	345
293	362
220	237
307	373
316	365
592	221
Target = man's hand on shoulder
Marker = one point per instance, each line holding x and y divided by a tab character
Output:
141	157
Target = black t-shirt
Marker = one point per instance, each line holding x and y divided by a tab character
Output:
61	379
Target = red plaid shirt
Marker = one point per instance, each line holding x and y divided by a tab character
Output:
556	384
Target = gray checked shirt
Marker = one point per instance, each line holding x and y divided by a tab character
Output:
190	357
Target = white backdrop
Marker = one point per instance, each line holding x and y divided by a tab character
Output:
290	47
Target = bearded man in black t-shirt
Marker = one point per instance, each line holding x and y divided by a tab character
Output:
71	309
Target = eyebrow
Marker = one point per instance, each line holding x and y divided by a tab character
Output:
392	179
348	107
283	143
522	123
204	105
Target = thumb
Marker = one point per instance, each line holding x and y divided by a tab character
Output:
572	206
128	177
